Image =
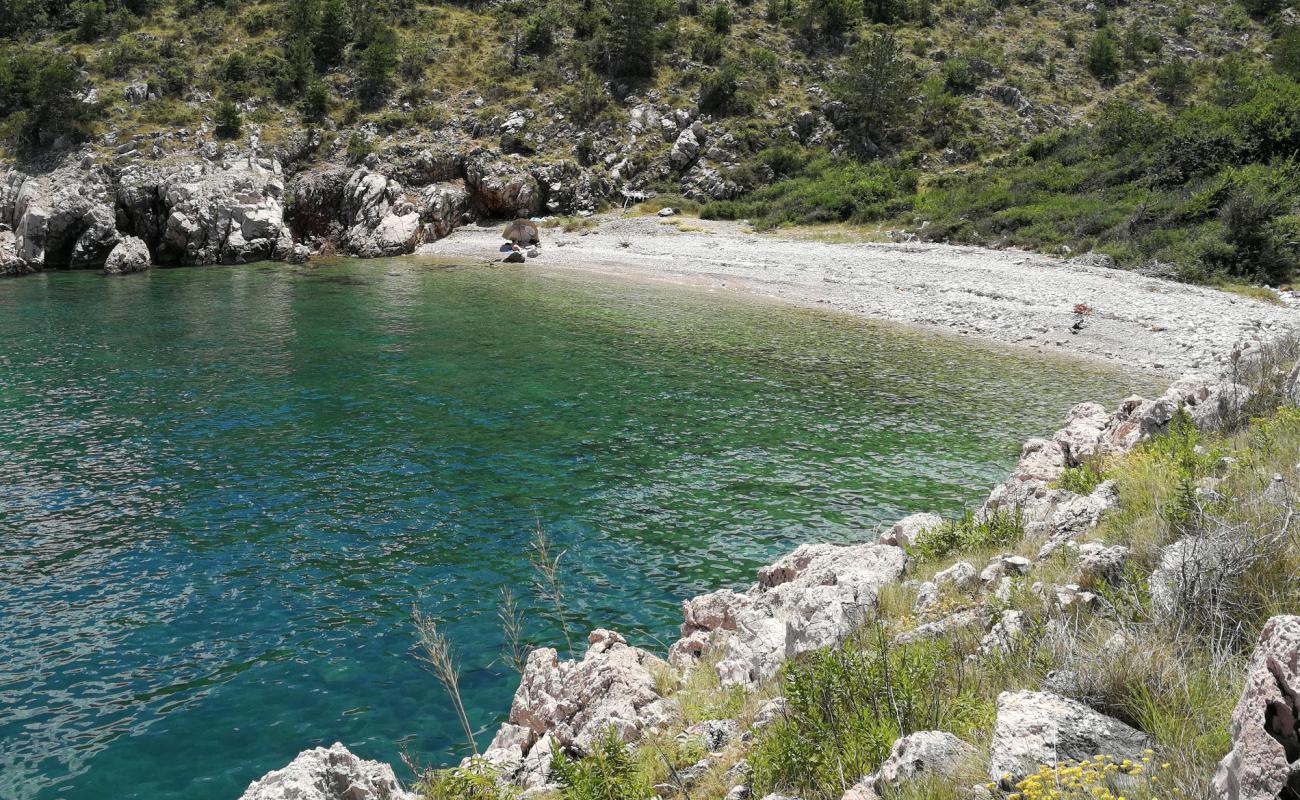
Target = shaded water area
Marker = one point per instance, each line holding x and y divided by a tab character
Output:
222	490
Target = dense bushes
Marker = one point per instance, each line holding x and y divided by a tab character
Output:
845	707
1211	188
40	97
820	189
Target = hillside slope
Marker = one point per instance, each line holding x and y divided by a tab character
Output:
1156	132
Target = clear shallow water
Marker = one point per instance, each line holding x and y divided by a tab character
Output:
222	489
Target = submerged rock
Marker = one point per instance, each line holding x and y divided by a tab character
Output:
329	774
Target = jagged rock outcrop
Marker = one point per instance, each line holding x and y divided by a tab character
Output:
371	214
1265	756
812	598
503	186
206	213
60	219
129	255
329	774
10	262
1037	728
685	150
569	705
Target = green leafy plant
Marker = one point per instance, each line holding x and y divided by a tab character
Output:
998	528
608	772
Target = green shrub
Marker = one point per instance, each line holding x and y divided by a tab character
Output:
718	91
877	89
826	190
846	706
719	17
959	76
608	772
477	780
1103	57
1173	81
316	103
1000	528
376	70
359	146
40	97
1286	52
1081	479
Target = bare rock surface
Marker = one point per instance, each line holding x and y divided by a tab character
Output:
332	773
204	213
812	598
129	255
1265	727
570	705
1037	728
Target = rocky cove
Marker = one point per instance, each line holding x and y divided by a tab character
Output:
819	595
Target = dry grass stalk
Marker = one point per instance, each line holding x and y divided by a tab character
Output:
441	659
547	586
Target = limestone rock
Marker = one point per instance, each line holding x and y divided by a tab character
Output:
714	734
10	263
571	704
1265	727
1081	437
921	754
1099	563
129	255
1002	636
685	150
905	532
503	186
328	774
62	218
1037	728
199	213
812	598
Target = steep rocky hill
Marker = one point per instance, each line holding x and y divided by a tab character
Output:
1044	124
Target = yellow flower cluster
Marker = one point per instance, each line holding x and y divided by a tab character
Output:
1100	778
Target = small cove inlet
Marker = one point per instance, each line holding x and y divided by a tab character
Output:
224	488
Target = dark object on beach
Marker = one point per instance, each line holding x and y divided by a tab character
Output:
522	231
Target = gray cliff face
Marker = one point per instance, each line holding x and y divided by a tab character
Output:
227	208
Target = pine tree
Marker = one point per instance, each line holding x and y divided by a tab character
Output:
631	38
332	36
878	88
229	121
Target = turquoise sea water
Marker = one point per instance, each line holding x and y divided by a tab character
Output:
222	490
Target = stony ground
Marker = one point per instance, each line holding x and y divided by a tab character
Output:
1008	297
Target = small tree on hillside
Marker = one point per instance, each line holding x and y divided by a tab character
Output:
229	122
877	89
631	38
377	66
1103	58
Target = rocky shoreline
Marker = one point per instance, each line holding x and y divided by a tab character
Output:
819	594
236	206
233	206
